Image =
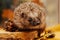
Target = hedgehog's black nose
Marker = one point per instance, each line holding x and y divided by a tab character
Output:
34	22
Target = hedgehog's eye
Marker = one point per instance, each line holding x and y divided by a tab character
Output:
22	15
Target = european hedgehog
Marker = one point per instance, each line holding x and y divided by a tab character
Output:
28	17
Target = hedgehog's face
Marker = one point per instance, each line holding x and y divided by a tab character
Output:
31	18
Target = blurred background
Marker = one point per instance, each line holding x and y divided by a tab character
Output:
53	12
52	18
